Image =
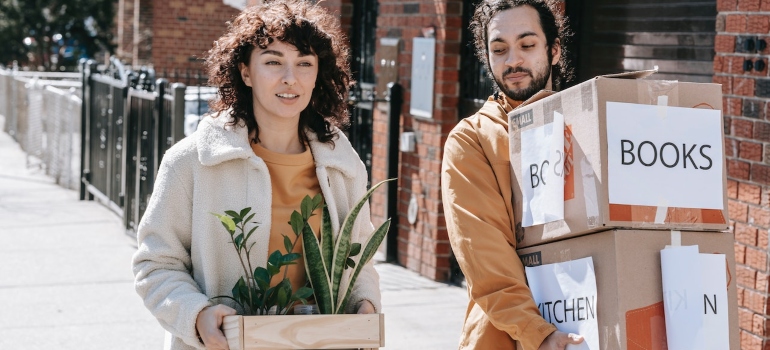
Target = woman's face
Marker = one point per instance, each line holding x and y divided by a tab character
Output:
281	81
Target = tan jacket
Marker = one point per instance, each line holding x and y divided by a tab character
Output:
476	190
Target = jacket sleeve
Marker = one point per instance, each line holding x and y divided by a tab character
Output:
481	235
162	263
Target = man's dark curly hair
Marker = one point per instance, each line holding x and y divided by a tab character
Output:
308	27
554	26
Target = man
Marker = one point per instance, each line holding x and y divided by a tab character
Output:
519	41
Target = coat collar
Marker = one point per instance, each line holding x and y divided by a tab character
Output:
220	141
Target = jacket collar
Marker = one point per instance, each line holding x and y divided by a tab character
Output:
220	141
498	106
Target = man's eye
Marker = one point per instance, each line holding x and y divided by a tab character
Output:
528	46
498	51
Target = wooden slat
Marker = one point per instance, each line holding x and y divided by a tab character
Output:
305	332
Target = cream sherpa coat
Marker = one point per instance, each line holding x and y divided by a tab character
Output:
184	255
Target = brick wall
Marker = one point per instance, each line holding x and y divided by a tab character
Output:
184	30
422	247
740	24
124	30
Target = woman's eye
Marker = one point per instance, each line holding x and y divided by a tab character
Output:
272	63
306	64
498	51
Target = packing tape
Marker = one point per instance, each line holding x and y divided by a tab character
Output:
660	214
676	238
662	106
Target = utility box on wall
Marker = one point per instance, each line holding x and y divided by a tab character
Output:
423	67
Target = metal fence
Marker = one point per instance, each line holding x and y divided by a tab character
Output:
42	113
129	121
102	131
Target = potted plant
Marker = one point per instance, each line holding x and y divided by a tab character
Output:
327	262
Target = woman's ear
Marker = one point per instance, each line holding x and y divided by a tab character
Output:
245	74
555	52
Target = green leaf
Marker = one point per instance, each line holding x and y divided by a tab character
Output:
307	207
262	277
287	243
290	257
246	239
243	213
296	222
233	214
249	218
355	248
238	240
275	258
317	200
342	247
369	250
303	293
227	222
316	272
350	263
327	240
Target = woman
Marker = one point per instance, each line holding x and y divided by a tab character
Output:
272	138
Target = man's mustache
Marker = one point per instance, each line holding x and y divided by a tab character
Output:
512	70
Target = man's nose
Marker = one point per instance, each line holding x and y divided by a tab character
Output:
514	59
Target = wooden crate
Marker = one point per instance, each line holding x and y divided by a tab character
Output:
305	332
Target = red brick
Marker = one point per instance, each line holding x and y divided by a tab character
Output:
760	174
722	79
756	258
762	282
749	193
732	189
759	216
745	318
740	253
731	147
727	5
746	234
758	23
750	151
738	170
743	128
738	211
734	104
762	239
758	325
741	295
748	5
746	276
743	86
735	23
724	44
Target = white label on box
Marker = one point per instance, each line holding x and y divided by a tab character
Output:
542	162
565	293
695	303
661	155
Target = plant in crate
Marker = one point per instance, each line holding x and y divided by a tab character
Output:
253	294
327	260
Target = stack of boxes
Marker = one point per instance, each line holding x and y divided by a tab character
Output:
614	211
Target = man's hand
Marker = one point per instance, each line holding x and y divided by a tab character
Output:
209	324
559	340
365	307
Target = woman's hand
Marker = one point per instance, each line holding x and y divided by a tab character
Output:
559	340
209	326
365	307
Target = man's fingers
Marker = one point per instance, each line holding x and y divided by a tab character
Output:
575	338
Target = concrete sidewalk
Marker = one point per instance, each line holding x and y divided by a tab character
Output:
66	280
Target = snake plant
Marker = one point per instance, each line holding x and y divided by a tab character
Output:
327	260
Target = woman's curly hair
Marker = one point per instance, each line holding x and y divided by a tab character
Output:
554	26
308	27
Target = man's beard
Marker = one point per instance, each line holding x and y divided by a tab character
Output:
538	83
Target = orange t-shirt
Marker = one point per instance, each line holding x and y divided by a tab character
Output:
293	177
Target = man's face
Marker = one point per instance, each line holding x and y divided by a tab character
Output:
518	53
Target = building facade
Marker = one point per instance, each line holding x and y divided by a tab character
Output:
720	41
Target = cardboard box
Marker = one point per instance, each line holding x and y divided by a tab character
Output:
629	301
305	332
591	192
